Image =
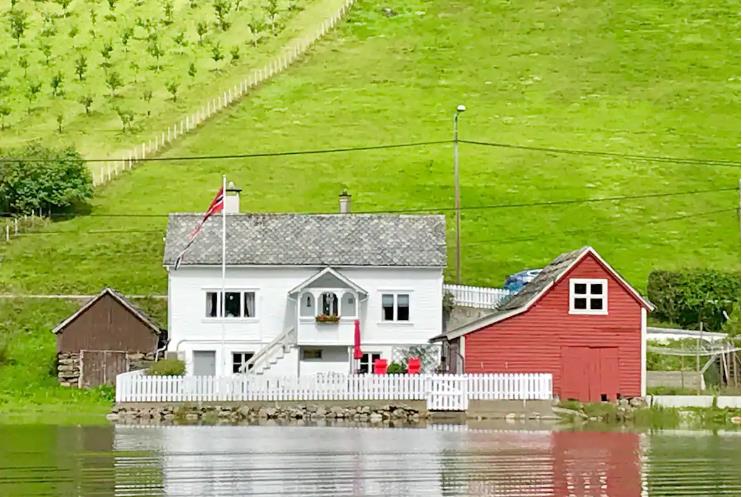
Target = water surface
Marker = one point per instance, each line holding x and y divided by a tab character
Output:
437	460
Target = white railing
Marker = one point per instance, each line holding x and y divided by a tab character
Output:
217	103
477	296
137	387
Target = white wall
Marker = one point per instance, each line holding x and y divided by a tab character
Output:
334	360
189	329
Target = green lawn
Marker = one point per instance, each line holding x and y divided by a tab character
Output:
651	78
95	25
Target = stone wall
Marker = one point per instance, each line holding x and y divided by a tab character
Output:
674	379
68	366
281	412
68	369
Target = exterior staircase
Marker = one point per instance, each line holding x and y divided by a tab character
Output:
282	349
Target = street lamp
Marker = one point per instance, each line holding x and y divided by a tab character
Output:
460	108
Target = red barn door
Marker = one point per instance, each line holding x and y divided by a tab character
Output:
590	374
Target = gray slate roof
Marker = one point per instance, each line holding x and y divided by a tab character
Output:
314	240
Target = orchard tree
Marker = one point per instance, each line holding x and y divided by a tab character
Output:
64	4
134	66
147	97
217	54
56	84
172	87
74	31
50	26
272	9
18	25
221	9
46	50
127	118
86	101
201	29
32	91
114	82
4	113
180	40
81	66
168	12
192	70
255	24
23	63
235	54
60	119
106	51
125	36
112	5
156	51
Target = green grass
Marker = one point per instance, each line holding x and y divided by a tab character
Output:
652	78
99	133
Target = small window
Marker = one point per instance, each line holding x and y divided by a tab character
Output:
311	354
348	305
212	304
239	359
248	304
307	305
388	307
329	303
403	307
395	307
366	364
588	296
232	304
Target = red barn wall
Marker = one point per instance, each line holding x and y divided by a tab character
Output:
532	342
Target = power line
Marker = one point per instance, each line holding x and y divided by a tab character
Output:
366	148
648	158
404	211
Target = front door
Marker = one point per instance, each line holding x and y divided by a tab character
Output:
204	363
590	374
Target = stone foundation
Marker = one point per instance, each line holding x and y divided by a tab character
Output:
68	366
243	412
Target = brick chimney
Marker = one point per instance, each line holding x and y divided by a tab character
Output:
344	202
232	199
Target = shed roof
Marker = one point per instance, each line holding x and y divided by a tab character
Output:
533	291
135	310
311	240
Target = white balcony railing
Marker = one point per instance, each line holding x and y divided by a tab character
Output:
310	332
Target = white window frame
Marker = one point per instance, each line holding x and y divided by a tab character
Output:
395	294
241	352
588	282
370	370
220	296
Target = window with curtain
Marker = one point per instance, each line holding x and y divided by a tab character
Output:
248	304
232	304
237	304
212	304
329	304
395	307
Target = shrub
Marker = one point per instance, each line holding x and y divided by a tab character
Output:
4	353
36	177
396	368
693	296
167	367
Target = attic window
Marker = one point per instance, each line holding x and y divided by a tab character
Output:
588	296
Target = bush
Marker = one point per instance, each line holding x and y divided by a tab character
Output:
36	177
167	367
396	368
4	353
693	296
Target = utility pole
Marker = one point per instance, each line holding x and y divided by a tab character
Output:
457	204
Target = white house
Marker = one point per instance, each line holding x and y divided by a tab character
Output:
295	285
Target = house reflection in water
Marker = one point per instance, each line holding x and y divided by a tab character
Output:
438	460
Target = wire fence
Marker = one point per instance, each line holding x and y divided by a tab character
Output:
290	54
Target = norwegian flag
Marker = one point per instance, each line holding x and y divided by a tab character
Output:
214	208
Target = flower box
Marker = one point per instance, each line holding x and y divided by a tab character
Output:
326	319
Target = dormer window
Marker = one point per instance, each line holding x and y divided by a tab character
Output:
588	296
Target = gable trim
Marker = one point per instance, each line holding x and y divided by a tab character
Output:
118	298
332	272
498	317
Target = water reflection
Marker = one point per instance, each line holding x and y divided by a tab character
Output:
294	460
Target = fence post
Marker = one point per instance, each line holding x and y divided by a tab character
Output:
7	232
15	226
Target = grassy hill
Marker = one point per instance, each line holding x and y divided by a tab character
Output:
655	78
147	45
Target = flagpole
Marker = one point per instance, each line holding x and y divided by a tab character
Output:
224	260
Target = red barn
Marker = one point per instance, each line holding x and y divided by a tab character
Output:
579	320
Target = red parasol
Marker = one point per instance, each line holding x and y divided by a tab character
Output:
357	340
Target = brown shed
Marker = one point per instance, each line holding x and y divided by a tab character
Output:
107	336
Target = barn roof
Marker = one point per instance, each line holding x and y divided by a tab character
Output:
533	291
310	240
135	310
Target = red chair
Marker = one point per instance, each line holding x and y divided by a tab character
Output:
380	366
414	365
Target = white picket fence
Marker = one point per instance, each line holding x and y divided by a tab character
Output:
442	392
478	296
159	141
